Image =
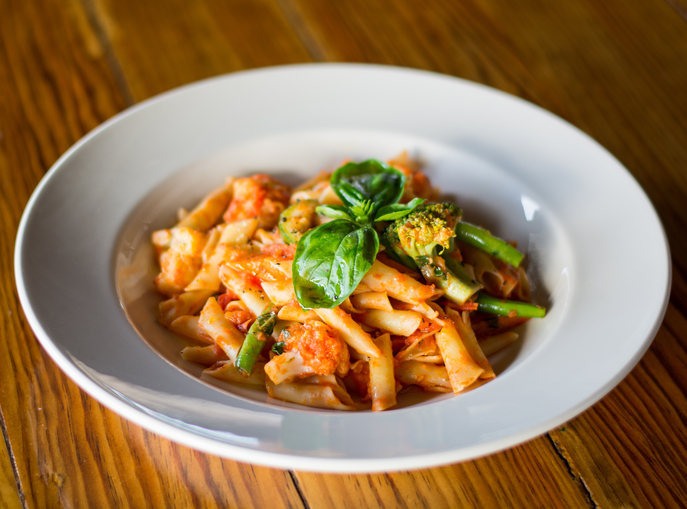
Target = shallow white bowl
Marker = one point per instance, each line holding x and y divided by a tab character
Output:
82	270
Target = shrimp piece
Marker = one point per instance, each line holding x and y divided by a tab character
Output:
180	259
258	196
312	348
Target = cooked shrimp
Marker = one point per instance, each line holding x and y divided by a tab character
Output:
312	348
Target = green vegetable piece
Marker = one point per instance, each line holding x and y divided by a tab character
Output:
397	210
335	211
255	340
394	252
461	287
330	262
502	307
456	289
415	239
482	239
296	220
368	186
278	347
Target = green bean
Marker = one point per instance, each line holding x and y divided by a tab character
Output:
482	239
255	339
502	307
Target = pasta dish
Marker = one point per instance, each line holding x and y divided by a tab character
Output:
343	292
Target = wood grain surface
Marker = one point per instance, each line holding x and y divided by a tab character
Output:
9	495
614	69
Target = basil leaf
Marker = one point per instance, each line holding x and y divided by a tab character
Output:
331	260
349	194
397	210
370	181
334	211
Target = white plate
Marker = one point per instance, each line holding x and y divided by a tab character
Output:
596	250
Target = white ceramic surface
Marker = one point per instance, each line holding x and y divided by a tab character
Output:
520	171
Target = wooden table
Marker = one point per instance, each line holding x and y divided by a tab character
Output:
615	69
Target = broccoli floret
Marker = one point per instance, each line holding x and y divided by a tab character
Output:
429	226
419	234
418	239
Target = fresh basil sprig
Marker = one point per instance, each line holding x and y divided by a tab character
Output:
332	259
397	210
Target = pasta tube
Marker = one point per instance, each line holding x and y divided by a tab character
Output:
189	326
327	395
382	386
251	294
462	370
400	323
350	330
382	278
206	355
293	312
426	375
188	303
221	330
372	300
228	372
208	211
470	341
279	292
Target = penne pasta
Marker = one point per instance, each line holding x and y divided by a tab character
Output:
211	243
284	267
206	355
221	330
326	395
462	370
207	277
382	278
350	330
349	308
279	292
382	386
188	303
361	288
400	323
471	344
424	349
187	325
429	376
227	372
208	211
372	300
239	232
295	313
250	293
